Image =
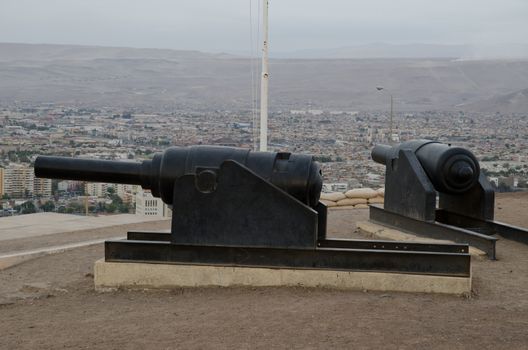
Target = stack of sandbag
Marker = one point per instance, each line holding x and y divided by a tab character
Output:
358	198
330	199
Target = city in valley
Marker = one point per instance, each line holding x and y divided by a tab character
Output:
126	104
341	140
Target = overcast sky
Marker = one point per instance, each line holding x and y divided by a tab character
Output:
214	25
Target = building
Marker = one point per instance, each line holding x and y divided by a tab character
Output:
494	180
63	186
42	187
1	182
335	187
97	189
147	205
70	185
510	181
18	180
124	191
127	192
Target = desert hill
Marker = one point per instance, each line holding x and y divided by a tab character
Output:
168	79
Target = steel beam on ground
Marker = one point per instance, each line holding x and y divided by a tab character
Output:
434	230
431	263
337	243
507	231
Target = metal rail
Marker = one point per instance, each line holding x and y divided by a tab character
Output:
336	243
435	230
489	227
417	262
393	245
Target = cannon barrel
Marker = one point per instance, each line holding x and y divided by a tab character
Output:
297	174
450	169
88	170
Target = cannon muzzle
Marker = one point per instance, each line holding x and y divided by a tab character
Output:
450	169
380	153
297	174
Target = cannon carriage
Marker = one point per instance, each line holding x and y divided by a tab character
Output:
437	190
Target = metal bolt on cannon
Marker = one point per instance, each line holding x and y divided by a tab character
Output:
235	207
418	170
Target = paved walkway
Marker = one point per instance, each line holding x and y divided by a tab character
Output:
40	224
12	259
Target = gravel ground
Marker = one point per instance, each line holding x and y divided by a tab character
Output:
49	303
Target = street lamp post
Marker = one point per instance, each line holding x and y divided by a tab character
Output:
380	88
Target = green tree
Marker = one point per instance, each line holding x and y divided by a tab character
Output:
48	206
111	208
27	208
123	208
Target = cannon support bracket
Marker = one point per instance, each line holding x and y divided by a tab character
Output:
478	202
408	191
242	210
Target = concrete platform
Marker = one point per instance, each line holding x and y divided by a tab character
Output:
114	275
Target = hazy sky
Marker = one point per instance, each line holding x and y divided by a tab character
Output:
209	25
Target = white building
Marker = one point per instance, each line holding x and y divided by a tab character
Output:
63	185
97	189
147	205
335	187
495	180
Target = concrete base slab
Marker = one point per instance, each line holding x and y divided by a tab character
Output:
377	231
113	275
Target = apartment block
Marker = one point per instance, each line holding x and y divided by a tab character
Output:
1	181
42	187
18	180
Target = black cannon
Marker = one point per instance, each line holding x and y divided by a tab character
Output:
225	183
418	173
450	169
296	174
232	206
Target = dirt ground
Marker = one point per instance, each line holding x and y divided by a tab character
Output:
50	303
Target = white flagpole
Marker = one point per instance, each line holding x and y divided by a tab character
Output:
264	81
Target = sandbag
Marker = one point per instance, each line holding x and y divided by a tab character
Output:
365	193
381	191
328	203
333	196
361	206
351	201
344	207
375	200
